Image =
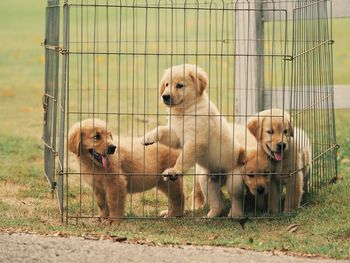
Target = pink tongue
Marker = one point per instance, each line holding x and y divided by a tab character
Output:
104	161
278	156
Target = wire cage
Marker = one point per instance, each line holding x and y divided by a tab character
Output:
105	59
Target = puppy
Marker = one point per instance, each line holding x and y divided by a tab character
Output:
92	143
194	124
304	147
131	169
274	132
255	174
251	173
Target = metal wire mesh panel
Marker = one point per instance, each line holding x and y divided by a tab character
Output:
194	108
51	90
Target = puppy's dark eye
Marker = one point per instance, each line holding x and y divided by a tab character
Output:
179	86
270	131
251	175
97	136
285	132
166	84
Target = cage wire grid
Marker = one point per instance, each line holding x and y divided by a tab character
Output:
257	55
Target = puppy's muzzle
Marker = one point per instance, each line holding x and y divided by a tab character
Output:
111	149
166	99
260	190
281	146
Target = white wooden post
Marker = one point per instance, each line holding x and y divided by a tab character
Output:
248	62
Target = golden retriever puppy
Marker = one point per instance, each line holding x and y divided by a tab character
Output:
194	124
252	172
304	147
143	167
92	143
255	174
256	166
274	132
113	170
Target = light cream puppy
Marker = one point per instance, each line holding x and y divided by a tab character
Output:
274	131
194	124
303	145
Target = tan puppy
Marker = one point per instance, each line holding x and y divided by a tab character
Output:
274	132
132	169
255	175
194	124
257	166
92	143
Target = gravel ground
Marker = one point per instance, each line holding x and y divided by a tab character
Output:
19	247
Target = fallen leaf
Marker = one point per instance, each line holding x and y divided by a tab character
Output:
213	237
58	234
90	237
292	228
119	239
106	237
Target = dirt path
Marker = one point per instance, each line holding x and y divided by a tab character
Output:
34	248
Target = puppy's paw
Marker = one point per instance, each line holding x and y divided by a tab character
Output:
213	213
149	139
164	213
170	213
235	213
171	174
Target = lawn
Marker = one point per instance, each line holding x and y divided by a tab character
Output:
26	202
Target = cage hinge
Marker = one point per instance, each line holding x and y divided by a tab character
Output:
288	58
44	101
59	49
331	42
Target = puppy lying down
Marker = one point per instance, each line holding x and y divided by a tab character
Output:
113	169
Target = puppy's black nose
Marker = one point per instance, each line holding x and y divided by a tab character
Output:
260	189
111	149
166	99
281	146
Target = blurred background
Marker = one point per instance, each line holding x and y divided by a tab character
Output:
22	62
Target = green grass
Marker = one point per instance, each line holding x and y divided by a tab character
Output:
25	199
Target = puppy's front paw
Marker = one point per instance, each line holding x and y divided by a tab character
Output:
171	174
235	213
149	139
164	213
214	212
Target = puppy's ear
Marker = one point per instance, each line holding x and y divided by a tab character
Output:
162	84
199	77
291	129
74	138
242	156
110	133
253	126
